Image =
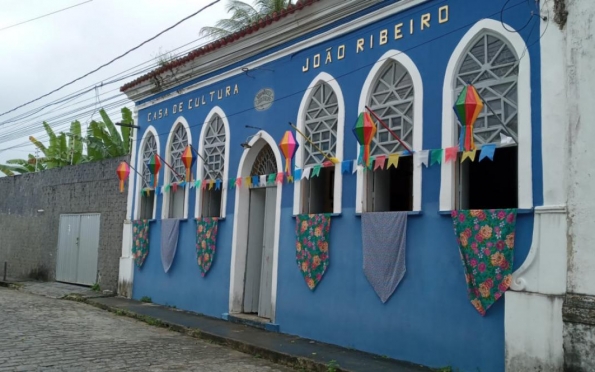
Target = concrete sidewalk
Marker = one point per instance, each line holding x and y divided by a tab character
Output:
280	348
53	289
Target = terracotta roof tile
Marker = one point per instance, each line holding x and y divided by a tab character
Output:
219	43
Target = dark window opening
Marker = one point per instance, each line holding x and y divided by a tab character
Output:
489	184
211	203
318	192
177	203
147	202
390	190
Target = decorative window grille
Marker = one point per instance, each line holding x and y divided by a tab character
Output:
178	145
147	200
491	65
392	100
178	198
214	149
265	162
213	169
322	113
149	150
320	125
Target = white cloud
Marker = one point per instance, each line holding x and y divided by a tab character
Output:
41	55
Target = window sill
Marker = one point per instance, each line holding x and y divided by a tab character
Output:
131	221
330	214
180	219
519	211
409	213
219	218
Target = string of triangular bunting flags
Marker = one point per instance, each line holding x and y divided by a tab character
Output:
378	162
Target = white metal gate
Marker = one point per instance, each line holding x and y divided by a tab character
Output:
78	245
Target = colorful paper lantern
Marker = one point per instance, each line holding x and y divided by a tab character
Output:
364	131
154	166
468	107
123	171
288	146
188	159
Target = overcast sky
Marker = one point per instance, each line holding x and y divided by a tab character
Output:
41	55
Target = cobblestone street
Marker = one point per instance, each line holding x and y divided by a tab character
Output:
44	334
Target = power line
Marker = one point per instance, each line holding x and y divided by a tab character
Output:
58	129
271	30
113	60
303	91
355	70
90	88
45	15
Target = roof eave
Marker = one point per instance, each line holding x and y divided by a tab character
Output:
241	47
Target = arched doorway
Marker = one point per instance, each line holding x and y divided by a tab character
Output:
253	281
261	220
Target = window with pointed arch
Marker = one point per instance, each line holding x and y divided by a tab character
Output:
492	66
147	193
391	98
213	150
177	198
320	124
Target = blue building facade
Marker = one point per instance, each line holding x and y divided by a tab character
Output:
233	101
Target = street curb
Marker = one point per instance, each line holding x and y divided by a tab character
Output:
299	363
10	285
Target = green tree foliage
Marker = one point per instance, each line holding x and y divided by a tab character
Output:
243	15
103	141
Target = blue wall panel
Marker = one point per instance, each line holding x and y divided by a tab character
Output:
429	319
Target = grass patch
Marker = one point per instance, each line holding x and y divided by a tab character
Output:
146	299
95	287
332	366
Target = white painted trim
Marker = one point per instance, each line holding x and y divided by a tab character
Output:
533	332
545	268
449	124
140	168
197	67
299	156
126	264
167	171
239	243
199	162
418	120
132	176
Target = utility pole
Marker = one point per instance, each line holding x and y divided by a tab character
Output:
36	157
72	150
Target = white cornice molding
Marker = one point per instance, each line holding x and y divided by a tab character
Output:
294	26
544	269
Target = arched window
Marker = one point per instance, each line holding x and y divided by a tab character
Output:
488	56
147	193
177	199
320	123
392	99
265	162
393	90
213	149
492	66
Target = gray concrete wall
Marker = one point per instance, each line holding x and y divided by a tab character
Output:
29	238
579	306
579	333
